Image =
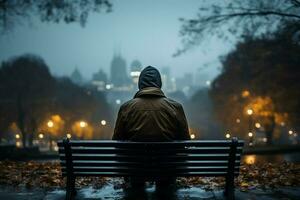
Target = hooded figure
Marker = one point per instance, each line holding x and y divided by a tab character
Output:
149	77
150	116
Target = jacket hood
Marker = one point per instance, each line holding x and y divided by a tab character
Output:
149	77
150	91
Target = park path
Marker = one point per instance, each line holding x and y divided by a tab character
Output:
109	192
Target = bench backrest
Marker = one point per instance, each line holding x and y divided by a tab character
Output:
155	159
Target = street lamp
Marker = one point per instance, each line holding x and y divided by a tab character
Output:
245	93
50	124
103	122
17	136
257	125
41	136
265	139
118	101
82	124
227	135
249	111
192	136
250	134
18	144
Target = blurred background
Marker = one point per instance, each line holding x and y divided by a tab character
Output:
67	67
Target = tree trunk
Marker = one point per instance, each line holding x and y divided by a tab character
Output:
33	129
269	136
21	120
269	130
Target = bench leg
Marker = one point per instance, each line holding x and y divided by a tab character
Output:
229	188
70	188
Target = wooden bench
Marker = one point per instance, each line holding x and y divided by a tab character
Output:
80	158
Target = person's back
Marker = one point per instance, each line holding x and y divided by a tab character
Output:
151	117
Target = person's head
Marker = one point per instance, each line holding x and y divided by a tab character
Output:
149	77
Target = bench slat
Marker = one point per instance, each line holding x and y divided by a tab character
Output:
143	159
169	164
100	150
150	170
186	174
110	143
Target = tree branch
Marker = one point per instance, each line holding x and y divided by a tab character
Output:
242	14
264	13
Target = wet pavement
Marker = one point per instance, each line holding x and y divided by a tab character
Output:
109	192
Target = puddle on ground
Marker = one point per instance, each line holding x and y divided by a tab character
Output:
110	192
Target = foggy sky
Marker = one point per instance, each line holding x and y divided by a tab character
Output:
147	30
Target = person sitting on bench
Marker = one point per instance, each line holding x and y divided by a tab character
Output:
151	117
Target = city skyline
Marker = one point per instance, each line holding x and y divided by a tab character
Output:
152	39
129	66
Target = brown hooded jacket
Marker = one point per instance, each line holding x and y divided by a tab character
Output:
150	116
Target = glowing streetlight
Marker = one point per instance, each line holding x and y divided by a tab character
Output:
249	111
291	132
17	136
108	86
250	134
69	135
192	136
18	144
118	101
227	135
250	159
41	136
50	124
103	122
245	93
257	125
82	124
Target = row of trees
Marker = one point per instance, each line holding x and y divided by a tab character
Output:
261	74
30	96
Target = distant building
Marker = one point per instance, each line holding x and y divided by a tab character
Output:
118	72
168	83
135	71
76	77
100	80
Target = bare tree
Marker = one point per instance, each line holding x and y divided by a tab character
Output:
15	12
238	18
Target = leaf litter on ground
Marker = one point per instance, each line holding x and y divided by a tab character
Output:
48	175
